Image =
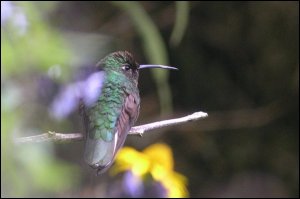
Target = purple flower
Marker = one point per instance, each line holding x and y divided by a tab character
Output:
68	99
132	185
6	11
14	15
137	187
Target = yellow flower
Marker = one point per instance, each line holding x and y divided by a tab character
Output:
157	160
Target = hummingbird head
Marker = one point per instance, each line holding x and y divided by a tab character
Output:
120	62
124	62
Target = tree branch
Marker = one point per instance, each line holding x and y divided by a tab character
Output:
63	137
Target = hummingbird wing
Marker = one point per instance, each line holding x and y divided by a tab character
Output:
127	118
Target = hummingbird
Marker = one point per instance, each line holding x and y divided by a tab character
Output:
109	102
110	118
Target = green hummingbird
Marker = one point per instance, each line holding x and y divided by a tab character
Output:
109	119
109	102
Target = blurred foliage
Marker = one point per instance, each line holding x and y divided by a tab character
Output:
28	43
27	40
238	61
181	22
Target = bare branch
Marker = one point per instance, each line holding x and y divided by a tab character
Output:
155	125
51	136
64	137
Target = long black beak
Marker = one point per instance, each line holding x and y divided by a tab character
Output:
158	66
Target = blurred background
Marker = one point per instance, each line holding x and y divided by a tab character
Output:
238	61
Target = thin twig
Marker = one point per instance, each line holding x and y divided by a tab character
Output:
64	137
155	125
51	136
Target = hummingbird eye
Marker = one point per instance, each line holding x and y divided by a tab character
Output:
126	67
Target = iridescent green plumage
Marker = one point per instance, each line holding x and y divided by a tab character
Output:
109	106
